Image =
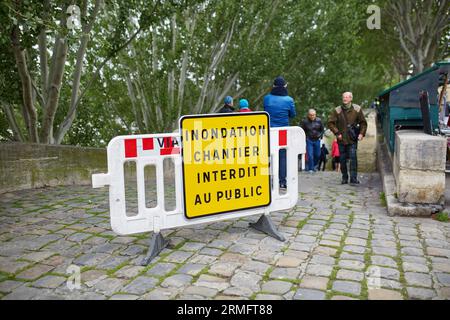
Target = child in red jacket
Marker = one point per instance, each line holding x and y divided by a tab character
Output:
335	156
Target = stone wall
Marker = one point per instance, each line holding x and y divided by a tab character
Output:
24	166
419	167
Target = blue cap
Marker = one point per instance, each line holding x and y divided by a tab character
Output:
228	100
279	82
243	104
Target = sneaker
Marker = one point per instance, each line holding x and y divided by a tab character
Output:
344	181
354	182
283	187
311	172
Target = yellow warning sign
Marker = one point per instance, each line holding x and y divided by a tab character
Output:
225	162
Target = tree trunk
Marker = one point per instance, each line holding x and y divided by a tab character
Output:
145	107
54	92
70	117
217	57
133	99
226	88
190	26
12	122
171	74
30	115
42	45
155	96
419	26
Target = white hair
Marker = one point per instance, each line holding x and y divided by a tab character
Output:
348	93
311	111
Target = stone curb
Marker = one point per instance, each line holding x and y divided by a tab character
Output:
394	207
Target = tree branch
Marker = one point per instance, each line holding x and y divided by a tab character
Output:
12	121
42	45
104	62
55	81
86	29
30	115
39	95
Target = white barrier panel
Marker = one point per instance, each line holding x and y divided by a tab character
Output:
152	149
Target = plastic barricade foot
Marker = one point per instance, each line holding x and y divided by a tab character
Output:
157	244
265	224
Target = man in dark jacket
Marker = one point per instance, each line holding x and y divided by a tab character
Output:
313	128
280	107
339	123
228	106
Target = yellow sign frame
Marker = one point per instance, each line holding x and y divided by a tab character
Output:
259	152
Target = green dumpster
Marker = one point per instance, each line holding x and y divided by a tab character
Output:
399	106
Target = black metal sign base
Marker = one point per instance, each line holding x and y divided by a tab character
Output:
265	224
157	244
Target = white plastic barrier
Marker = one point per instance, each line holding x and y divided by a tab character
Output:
152	149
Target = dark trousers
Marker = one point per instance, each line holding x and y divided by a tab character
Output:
334	162
322	162
348	152
282	166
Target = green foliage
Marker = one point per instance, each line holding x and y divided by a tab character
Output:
442	216
383	199
101	117
188	54
5	134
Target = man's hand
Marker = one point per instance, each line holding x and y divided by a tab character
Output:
360	137
339	137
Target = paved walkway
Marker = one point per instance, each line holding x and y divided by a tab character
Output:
340	245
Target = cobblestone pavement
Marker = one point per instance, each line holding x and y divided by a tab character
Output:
447	192
340	245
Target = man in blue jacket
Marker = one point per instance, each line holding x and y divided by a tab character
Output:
280	107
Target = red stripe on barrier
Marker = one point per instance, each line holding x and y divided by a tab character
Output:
167	151
167	142
147	144
130	148
282	138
